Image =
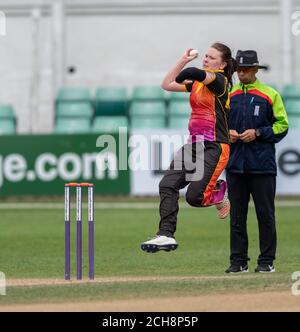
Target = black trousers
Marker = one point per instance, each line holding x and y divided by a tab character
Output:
262	189
201	192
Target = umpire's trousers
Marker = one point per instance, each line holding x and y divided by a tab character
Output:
200	193
262	189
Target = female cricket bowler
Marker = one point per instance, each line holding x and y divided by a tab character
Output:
209	140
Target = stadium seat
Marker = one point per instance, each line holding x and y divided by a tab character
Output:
73	94
8	120
111	101
154	108
147	93
179	96
294	121
7	112
179	108
148	122
293	106
7	126
148	114
179	114
291	91
108	124
72	126
179	122
74	110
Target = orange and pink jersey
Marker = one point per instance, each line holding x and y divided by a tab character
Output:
210	110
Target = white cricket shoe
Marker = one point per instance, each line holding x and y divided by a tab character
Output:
159	242
223	207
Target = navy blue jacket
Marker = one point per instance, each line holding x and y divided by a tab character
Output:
256	106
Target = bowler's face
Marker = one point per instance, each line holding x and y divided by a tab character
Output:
247	75
213	60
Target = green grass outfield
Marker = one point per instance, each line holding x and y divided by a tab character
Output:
32	246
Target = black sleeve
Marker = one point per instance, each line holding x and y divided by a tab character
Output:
189	87
192	73
218	85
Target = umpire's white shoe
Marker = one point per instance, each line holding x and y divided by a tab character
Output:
159	242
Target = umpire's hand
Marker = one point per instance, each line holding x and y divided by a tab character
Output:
234	136
248	135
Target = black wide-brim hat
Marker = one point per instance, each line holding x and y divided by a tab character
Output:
248	59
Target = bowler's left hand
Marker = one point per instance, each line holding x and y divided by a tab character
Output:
248	135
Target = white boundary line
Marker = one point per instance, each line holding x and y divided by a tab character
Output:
113	205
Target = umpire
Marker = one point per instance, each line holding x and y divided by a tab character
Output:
258	120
